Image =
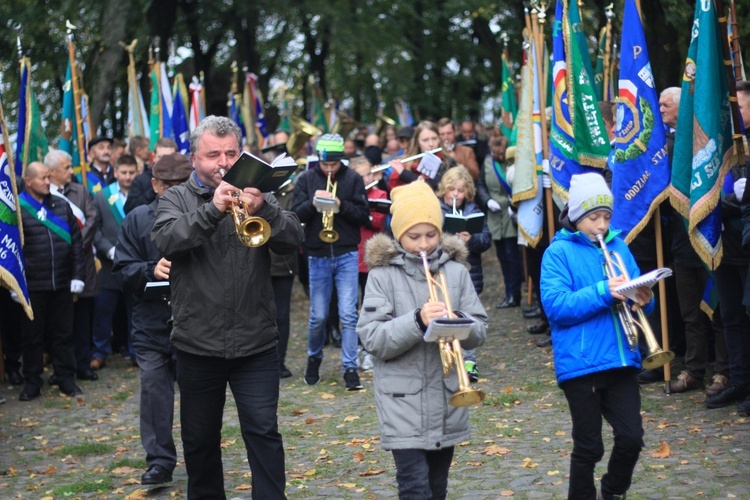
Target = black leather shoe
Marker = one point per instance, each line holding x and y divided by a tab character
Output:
54	379
730	394
284	372
87	374
743	408
508	302
15	378
537	328
69	388
545	342
156	474
29	392
651	376
532	313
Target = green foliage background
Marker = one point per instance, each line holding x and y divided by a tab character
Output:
441	56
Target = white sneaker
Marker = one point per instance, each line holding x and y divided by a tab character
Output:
367	363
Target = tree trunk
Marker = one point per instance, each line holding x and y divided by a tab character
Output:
109	57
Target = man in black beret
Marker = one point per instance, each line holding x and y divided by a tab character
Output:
100	172
139	262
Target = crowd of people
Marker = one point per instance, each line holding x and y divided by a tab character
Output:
364	228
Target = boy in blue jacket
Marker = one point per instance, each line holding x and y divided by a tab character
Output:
594	365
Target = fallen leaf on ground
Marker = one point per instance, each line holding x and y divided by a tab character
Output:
351	418
371	472
327	395
124	470
507	493
137	495
359	457
243	487
663	451
528	464
495	450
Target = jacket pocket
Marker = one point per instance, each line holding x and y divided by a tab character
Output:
400	406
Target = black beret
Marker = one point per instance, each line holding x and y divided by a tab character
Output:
99	138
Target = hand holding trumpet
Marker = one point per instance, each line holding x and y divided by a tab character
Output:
226	194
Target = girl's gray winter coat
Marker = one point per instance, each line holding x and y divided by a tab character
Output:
411	392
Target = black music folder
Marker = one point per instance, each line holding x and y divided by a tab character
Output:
454	223
251	171
157	290
380	205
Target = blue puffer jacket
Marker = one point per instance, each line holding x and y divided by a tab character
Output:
586	332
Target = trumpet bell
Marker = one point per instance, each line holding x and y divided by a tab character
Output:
466	397
254	232
657	359
329	236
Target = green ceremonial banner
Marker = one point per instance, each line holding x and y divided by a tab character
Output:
510	106
703	151
591	140
155	114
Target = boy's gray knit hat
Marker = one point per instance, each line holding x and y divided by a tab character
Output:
588	193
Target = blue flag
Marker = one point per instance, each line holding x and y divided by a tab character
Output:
578	139
640	168
179	116
12	264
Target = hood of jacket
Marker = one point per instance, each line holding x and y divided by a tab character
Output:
382	250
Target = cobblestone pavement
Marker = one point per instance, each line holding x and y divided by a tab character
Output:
55	447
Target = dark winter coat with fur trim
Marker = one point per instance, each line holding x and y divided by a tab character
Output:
411	392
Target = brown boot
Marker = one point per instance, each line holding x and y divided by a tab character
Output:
719	383
685	382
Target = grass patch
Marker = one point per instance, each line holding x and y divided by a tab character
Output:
58	403
122	395
92	486
84	449
229	431
135	463
501	399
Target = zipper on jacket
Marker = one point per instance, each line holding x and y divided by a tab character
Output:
52	248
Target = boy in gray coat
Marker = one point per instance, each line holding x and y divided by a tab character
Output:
411	392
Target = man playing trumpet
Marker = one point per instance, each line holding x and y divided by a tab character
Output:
331	238
594	365
224	327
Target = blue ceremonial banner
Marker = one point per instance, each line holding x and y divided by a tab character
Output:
12	264
703	151
640	170
179	116
578	139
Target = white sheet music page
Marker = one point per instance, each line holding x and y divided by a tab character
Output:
429	165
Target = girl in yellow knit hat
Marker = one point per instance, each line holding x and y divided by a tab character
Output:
416	421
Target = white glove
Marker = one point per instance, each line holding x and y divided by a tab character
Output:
15	297
76	286
111	253
739	188
546	181
493	205
545	166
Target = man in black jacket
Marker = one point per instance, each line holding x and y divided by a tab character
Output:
224	329
54	273
332	259
142	192
139	262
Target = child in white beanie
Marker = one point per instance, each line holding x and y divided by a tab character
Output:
594	365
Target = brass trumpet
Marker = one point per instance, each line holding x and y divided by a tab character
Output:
656	355
451	355
252	231
328	234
